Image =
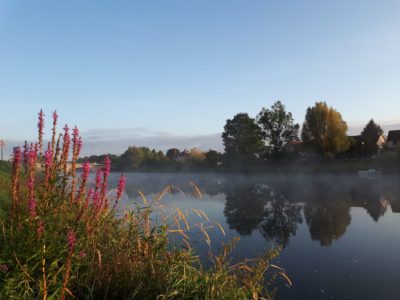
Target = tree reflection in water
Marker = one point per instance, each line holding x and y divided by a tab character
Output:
327	212
250	207
275	209
273	205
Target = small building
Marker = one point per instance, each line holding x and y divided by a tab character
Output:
393	139
380	140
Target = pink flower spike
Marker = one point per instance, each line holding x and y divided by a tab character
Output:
98	179
107	166
41	123
96	200
55	118
71	239
48	158
75	135
17	156
79	146
66	129
32	206
85	171
121	186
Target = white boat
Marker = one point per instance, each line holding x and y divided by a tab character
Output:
371	173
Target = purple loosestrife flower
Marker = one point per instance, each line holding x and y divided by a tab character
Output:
106	172
66	131
65	149
79	146
66	141
84	178
121	186
48	162
32	206
32	156
96	200
88	197
107	166
98	179
55	118
41	129
48	158
25	155
17	157
85	171
75	142
71	239
53	138
75	134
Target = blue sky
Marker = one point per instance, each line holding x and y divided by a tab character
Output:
179	69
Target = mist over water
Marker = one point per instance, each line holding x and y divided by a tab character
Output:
340	234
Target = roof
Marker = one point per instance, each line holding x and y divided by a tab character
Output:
357	138
394	135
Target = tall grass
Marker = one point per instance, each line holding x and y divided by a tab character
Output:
62	238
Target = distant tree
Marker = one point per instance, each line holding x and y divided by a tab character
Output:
369	137
278	128
172	154
195	158
213	158
325	129
143	158
196	154
242	138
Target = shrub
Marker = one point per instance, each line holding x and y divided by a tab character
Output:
62	238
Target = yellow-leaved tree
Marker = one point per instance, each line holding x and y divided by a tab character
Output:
325	129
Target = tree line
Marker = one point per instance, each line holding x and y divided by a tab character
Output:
271	136
146	159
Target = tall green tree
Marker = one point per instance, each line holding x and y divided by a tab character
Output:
325	129
242	138
278	128
369	137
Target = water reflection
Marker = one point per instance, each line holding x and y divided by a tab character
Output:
254	206
276	206
275	210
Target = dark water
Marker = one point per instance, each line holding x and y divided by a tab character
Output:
340	234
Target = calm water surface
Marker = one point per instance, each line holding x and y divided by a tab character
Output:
340	234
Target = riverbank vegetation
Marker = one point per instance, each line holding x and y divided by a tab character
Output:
64	238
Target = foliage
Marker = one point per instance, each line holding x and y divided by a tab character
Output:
64	238
325	129
146	159
278	128
172	154
369	136
99	159
139	157
213	159
242	138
